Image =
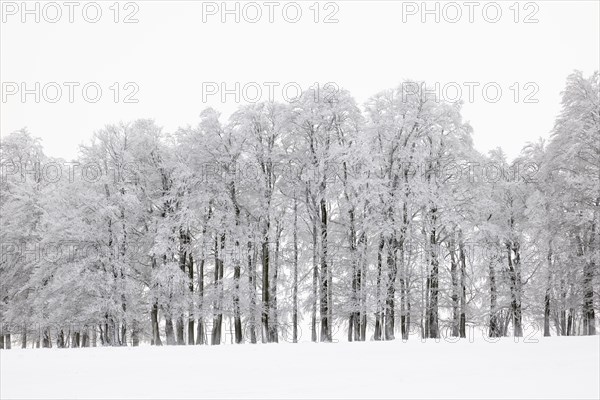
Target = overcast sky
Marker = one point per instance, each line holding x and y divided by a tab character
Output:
171	55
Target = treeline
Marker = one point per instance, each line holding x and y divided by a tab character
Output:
316	214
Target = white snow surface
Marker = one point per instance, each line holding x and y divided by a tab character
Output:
556	367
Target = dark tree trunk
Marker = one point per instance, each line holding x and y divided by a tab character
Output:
236	304
404	297
515	279
360	319
252	285
547	311
200	335
191	330
154	311
324	306
154	321
135	333
274	319
315	281
236	269
104	333
463	286
24	338
563	310
218	282
179	330
324	287
454	293
403	330
432	310
494	328
589	320
183	244
236	299
46	339
295	276
354	317
391	289
85	337
378	313
169	332
266	309
60	339
201	331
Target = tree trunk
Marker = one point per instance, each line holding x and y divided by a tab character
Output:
236	268
547	295
252	285
47	339
170	333
360	321
266	310
236	298
191	330
295	276
200	335
463	286
314	283
494	328
324	306
60	339
378	313
85	337
391	289
432	317
183	243
589	321
218	284
515	287
24	337
274	318
454	279
154	321
94	336
353	317
135	333
179	330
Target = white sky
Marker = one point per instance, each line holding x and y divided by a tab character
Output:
170	52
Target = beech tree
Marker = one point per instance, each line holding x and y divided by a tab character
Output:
318	217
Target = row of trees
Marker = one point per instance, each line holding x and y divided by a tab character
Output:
383	220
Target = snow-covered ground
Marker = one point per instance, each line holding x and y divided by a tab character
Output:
557	367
